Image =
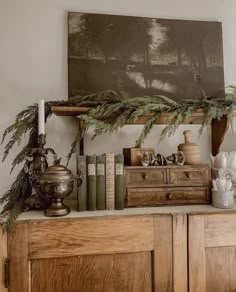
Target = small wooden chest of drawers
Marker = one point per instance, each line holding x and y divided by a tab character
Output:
164	185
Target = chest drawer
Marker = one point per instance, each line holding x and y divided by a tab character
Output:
188	176
145	177
141	197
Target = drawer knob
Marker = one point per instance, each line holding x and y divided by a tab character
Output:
188	175
169	196
145	176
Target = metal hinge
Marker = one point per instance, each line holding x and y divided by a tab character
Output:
6	273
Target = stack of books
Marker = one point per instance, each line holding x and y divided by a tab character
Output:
103	185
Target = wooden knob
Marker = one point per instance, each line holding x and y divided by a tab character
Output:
169	196
187	174
187	136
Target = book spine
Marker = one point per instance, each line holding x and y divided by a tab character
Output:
91	182
119	182
101	182
82	190
110	181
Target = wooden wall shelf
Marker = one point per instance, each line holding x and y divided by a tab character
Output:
219	127
196	118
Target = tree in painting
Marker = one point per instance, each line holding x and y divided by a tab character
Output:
138	56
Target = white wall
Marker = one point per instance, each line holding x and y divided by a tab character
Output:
33	65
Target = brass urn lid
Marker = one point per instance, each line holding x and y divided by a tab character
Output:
57	173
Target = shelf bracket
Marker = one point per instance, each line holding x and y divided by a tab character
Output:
218	131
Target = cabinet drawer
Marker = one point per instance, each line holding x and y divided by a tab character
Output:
188	176
140	197
145	177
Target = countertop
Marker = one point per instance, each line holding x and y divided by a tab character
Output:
186	209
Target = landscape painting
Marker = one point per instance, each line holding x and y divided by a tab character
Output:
137	56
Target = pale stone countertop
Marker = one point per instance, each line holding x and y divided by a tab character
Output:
186	209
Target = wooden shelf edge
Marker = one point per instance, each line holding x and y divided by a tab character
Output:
196	118
69	110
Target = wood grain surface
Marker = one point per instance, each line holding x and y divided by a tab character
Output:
163	254
3	255
221	269
145	177
141	197
197	260
191	176
171	184
180	254
220	230
90	236
18	259
99	273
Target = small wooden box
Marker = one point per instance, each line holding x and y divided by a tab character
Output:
167	185
132	156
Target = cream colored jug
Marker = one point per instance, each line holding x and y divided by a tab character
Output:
219	161
232	160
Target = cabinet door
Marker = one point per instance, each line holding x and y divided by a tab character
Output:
97	255
3	256
212	253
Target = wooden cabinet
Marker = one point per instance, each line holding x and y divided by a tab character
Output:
212	253
132	253
175	252
3	256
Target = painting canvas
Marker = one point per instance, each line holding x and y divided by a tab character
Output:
137	56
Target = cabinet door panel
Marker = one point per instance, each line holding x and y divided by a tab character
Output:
19	264
212	253
100	273
90	236
3	255
120	253
221	269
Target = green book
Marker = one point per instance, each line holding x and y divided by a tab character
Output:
119	182
82	190
101	182
91	182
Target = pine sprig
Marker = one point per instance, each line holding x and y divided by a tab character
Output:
10	216
146	129
108	113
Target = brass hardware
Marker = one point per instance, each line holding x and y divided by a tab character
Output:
6	273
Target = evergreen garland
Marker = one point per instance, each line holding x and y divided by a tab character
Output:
108	113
